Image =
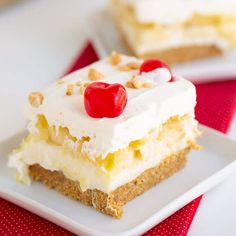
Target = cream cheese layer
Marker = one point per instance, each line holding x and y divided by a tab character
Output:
147	108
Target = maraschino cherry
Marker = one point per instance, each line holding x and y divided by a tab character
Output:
105	100
152	64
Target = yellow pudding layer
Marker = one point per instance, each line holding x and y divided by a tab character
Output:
225	25
58	150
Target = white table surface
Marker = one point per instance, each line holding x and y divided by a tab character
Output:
38	41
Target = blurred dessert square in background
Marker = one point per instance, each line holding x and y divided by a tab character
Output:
176	30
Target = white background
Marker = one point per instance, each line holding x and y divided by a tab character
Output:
38	41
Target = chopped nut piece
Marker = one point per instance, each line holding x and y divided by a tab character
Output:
94	75
129	84
86	84
147	85
114	59
36	99
136	83
60	81
124	68
70	89
78	83
133	65
83	87
129	66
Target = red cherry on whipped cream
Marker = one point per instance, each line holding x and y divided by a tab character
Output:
105	100
153	64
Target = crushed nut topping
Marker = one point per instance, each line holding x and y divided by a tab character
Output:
124	68
94	74
135	83
78	83
147	85
129	84
114	58
36	99
83	87
129	66
70	89
133	65
60	81
86	84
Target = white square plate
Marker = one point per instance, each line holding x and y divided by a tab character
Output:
106	38
204	170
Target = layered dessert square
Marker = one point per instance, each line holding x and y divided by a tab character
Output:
105	134
176	30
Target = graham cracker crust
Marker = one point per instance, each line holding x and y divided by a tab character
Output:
185	54
111	204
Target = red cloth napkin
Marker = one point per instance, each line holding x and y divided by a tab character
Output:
215	108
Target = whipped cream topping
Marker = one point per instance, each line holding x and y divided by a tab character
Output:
147	108
155	77
172	11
